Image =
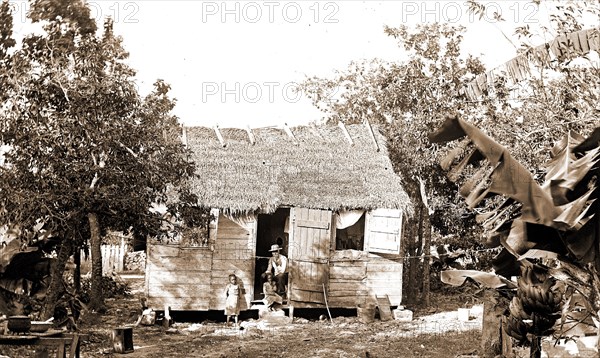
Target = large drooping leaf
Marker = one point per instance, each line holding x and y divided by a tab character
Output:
581	242
10	247
516	242
509	177
565	172
487	279
573	213
552	217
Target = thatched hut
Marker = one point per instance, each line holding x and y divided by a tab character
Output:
328	193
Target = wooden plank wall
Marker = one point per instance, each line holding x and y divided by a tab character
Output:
178	277
347	283
384	277
357	280
234	251
194	278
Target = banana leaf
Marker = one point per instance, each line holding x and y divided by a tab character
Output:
509	177
487	279
11	247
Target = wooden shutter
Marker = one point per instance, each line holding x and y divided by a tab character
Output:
383	231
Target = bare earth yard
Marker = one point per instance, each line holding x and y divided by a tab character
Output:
435	334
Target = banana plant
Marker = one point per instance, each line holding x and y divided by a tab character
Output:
554	222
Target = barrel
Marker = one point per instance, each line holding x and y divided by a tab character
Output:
365	312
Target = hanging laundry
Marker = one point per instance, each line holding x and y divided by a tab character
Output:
474	90
511	67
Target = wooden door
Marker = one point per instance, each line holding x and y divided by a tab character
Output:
308	251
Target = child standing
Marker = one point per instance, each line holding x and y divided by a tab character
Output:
232	303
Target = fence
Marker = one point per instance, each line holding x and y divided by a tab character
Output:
113	259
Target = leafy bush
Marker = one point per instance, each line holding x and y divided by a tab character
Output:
112	287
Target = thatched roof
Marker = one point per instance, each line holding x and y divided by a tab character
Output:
314	167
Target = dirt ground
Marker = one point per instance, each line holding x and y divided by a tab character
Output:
429	334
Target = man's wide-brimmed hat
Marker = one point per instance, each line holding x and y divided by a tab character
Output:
275	248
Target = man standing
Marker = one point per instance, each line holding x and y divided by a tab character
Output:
278	265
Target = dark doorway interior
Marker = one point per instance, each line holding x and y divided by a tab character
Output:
271	227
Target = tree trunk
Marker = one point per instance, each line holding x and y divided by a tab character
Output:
426	258
413	267
535	350
56	287
494	341
415	259
419	245
96	295
407	245
598	334
77	271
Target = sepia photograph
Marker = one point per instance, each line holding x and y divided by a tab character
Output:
367	179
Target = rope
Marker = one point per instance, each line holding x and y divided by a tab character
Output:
410	257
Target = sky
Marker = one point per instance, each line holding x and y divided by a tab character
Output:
236	63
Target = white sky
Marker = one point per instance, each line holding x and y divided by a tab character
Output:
235	63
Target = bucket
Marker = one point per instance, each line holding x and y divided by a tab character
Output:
365	312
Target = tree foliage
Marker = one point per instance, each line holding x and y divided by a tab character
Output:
408	99
81	139
556	208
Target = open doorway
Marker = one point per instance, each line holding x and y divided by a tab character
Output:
272	229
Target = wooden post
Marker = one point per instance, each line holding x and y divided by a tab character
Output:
345	131
184	136
167	317
250	135
219	136
326	304
77	271
372	133
122	255
74	351
288	131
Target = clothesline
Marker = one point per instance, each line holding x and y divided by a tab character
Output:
439	255
400	258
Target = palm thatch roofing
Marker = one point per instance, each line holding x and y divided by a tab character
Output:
318	167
